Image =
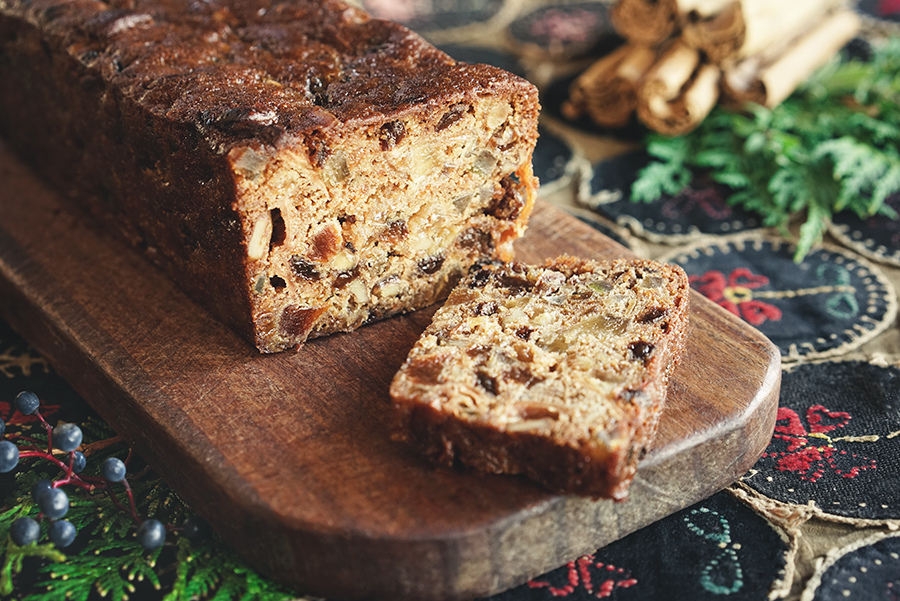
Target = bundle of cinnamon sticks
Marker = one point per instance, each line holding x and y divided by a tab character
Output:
681	57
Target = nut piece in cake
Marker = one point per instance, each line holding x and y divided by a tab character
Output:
557	371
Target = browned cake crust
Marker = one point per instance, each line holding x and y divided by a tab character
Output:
557	371
298	167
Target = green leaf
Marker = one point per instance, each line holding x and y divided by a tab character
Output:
812	230
657	179
15	556
831	146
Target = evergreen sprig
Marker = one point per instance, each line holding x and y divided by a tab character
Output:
16	555
205	572
106	558
830	147
80	574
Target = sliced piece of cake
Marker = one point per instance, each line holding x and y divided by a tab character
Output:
557	371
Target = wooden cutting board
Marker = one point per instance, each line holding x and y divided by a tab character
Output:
288	456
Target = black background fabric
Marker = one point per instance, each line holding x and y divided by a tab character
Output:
701	208
870	573
570	30
826	303
716	549
836	400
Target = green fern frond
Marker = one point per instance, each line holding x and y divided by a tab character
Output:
658	179
830	147
15	556
92	571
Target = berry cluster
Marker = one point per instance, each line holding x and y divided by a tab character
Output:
50	497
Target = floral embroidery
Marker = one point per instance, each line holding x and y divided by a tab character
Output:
842	304
707	199
889	7
589	575
574	26
725	565
736	294
803	456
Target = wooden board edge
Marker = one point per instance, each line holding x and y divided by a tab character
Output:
294	550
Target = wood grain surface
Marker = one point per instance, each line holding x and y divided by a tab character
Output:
288	456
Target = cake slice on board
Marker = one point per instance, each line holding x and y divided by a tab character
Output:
557	371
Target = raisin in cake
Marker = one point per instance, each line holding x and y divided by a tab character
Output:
298	167
556	371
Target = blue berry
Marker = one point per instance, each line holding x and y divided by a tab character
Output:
24	531
151	534
62	533
67	437
194	529
113	469
2	426
79	462
9	456
39	488
53	503
27	402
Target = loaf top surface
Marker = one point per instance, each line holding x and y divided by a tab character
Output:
248	67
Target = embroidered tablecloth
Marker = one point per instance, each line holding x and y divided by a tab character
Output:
816	518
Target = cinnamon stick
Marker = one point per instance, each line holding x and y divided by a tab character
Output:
607	90
770	82
751	27
678	92
651	22
646	22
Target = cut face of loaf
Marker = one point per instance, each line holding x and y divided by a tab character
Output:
557	371
298	168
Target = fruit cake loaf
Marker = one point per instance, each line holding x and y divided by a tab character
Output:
556	371
298	167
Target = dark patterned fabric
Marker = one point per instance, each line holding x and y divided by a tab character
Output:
716	549
836	441
869	572
22	368
829	303
552	158
888	10
567	30
701	208
876	237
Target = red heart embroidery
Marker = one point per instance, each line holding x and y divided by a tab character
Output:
793	425
743	277
822	420
710	284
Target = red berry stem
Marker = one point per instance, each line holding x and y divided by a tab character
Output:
34	452
47	427
130	494
88	483
122	508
